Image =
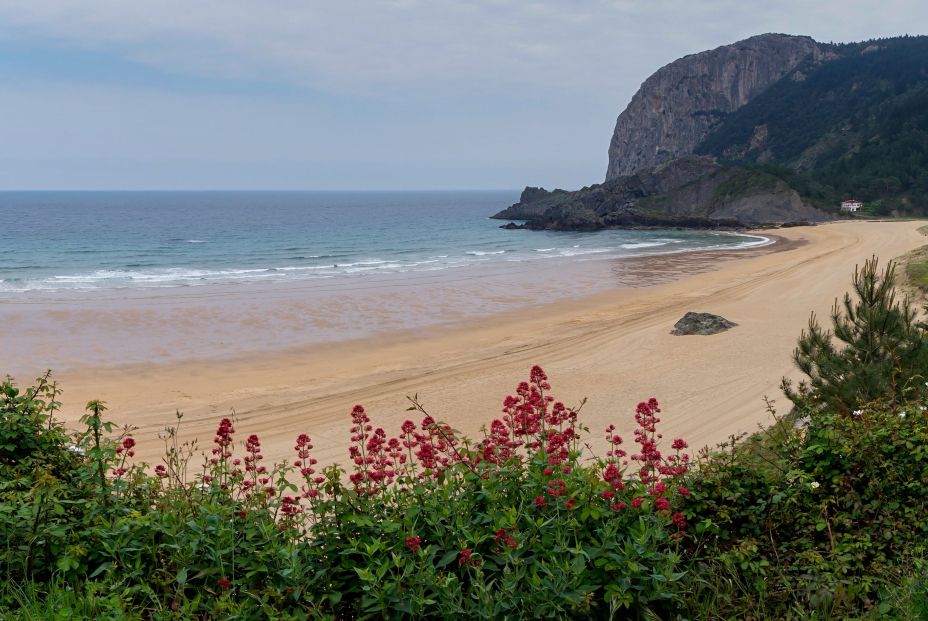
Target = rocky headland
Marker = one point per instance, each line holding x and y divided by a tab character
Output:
775	130
688	192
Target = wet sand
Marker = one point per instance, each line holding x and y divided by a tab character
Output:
612	347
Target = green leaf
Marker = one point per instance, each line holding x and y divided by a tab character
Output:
446	559
99	570
182	576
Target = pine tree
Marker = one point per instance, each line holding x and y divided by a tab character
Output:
877	352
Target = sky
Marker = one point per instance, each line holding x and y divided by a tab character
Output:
379	94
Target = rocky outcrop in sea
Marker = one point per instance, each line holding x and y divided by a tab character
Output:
688	192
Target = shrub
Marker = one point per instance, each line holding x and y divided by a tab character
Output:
427	523
822	518
884	352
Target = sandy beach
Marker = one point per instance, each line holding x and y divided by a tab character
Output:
613	348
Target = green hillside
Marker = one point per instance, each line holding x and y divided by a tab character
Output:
856	126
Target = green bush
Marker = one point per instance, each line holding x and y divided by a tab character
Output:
883	354
427	523
818	518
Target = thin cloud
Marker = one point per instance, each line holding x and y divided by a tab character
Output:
526	92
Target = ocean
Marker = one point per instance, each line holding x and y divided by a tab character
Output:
105	241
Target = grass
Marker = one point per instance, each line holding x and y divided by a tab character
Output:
916	266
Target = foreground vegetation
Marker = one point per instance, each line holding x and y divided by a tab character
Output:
823	515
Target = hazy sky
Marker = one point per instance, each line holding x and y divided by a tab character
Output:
382	94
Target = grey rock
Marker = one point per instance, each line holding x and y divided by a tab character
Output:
701	323
681	102
691	192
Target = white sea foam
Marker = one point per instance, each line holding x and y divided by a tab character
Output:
577	251
483	253
651	244
331	266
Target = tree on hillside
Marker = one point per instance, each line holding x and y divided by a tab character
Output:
877	351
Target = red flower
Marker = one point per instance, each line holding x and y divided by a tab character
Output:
637	502
540	501
413	543
661	504
224	583
502	536
557	487
466	557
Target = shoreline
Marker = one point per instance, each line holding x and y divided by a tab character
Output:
612	347
70	328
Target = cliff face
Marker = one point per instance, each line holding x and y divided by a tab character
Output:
681	102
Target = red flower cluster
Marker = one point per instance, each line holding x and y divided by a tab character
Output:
304	463
124	450
126	445
223	439
532	422
413	544
466	557
505	536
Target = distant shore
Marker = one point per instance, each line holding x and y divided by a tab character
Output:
611	346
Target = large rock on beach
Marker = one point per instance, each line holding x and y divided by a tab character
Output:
701	323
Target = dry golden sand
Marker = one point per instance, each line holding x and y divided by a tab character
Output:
614	349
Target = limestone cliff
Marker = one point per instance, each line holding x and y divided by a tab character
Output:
681	102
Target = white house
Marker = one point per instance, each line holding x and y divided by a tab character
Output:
851	205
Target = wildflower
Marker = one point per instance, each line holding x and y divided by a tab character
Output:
224	583
661	504
540	501
502	536
290	506
902	414
413	543
683	491
161	471
636	503
466	557
857	413
814	485
557	487
570	503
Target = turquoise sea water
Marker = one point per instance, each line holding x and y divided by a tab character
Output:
53	241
